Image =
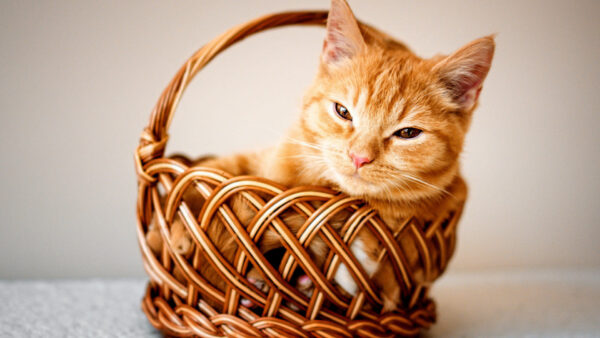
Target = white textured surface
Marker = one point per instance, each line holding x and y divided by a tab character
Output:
82	308
518	303
557	303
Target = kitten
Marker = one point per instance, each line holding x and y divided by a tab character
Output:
378	123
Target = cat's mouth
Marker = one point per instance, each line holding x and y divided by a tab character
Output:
357	177
352	181
356	184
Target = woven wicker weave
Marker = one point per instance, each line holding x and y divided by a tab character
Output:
189	305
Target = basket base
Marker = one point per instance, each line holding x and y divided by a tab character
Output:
175	318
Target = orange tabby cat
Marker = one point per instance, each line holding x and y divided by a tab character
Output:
379	123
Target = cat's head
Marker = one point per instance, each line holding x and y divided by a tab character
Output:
380	121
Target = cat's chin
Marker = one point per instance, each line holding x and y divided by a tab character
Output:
354	184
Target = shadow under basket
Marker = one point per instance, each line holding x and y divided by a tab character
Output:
180	301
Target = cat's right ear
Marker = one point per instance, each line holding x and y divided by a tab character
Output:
343	39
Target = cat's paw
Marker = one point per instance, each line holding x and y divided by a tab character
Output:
305	285
391	299
259	283
255	279
182	244
180	239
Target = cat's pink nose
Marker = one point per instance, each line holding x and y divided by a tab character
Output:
358	160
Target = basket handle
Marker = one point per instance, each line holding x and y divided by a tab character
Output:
154	137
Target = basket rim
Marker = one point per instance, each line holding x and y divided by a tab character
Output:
154	137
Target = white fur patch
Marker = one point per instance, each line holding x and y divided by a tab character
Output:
343	276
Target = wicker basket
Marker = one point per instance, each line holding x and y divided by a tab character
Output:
189	305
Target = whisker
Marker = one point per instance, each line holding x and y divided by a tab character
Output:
418	180
312	158
398	180
313	169
291	139
311	145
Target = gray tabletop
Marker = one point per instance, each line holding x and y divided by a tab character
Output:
497	303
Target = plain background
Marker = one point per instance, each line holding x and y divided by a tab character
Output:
78	80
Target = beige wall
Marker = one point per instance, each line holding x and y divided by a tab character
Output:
78	80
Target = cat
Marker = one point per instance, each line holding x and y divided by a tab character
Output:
379	123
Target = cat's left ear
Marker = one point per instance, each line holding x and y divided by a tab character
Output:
343	39
463	72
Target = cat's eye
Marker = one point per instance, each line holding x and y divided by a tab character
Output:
408	132
342	111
